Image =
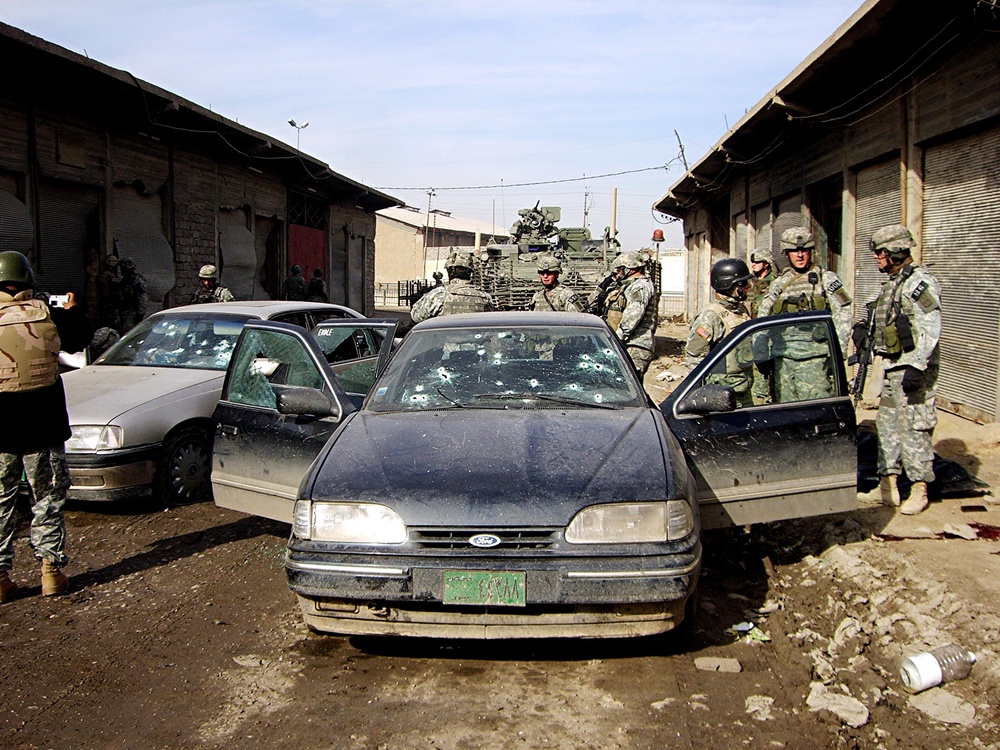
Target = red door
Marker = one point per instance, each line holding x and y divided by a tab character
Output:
307	248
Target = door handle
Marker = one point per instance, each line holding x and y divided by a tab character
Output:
830	428
226	429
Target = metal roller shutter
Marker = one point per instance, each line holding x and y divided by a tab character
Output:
878	204
961	247
69	220
17	232
789	214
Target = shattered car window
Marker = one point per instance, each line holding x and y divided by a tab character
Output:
269	358
534	367
198	342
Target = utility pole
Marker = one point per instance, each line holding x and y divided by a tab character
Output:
427	229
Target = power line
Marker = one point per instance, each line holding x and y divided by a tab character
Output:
503	185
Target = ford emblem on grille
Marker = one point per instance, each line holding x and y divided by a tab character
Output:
484	540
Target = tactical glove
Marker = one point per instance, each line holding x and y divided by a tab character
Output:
912	379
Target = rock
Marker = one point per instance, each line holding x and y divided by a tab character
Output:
941	705
849	710
660	705
759	707
718	664
250	660
962	530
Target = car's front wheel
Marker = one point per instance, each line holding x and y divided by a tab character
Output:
185	467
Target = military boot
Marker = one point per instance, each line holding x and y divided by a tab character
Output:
54	581
885	493
889	488
917	500
8	589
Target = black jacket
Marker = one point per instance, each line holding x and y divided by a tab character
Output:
37	419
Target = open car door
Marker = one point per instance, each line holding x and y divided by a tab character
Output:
791	457
286	392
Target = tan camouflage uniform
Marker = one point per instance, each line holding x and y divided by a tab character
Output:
33	399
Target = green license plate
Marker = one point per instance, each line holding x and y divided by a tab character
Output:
502	589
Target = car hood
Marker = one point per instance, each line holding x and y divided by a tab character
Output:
100	393
495	468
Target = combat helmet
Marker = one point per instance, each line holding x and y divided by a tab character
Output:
110	262
15	269
126	264
627	260
797	238
208	271
729	272
896	239
761	255
460	259
549	263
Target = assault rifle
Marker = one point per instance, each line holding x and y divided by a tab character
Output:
863	337
608	284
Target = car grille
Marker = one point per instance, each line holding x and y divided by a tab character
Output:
510	539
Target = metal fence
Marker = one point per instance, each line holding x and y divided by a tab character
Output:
672	305
399	293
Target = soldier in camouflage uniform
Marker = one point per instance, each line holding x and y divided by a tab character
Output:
209	289
133	298
34	402
907	329
553	297
730	279
802	365
457	296
762	265
630	310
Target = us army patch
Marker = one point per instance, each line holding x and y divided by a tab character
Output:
926	301
836	289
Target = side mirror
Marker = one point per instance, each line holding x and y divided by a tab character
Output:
299	401
707	399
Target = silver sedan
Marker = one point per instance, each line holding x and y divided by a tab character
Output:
142	413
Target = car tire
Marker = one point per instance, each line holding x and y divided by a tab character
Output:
185	467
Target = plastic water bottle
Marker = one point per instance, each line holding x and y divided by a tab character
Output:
944	664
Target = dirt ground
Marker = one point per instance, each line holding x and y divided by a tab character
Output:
180	632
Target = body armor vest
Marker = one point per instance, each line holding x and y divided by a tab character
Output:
463	298
29	345
803	291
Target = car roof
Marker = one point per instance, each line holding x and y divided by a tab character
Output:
511	319
262	308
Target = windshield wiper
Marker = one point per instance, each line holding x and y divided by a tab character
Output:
449	399
546	397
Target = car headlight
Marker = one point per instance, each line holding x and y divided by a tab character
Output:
631	523
348	523
87	438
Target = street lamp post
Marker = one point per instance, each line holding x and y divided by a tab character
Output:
298	131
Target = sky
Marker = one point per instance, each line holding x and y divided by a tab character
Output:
551	101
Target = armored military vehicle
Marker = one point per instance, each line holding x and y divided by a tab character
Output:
509	272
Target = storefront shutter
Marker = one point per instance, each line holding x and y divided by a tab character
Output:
878	204
68	216
961	247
